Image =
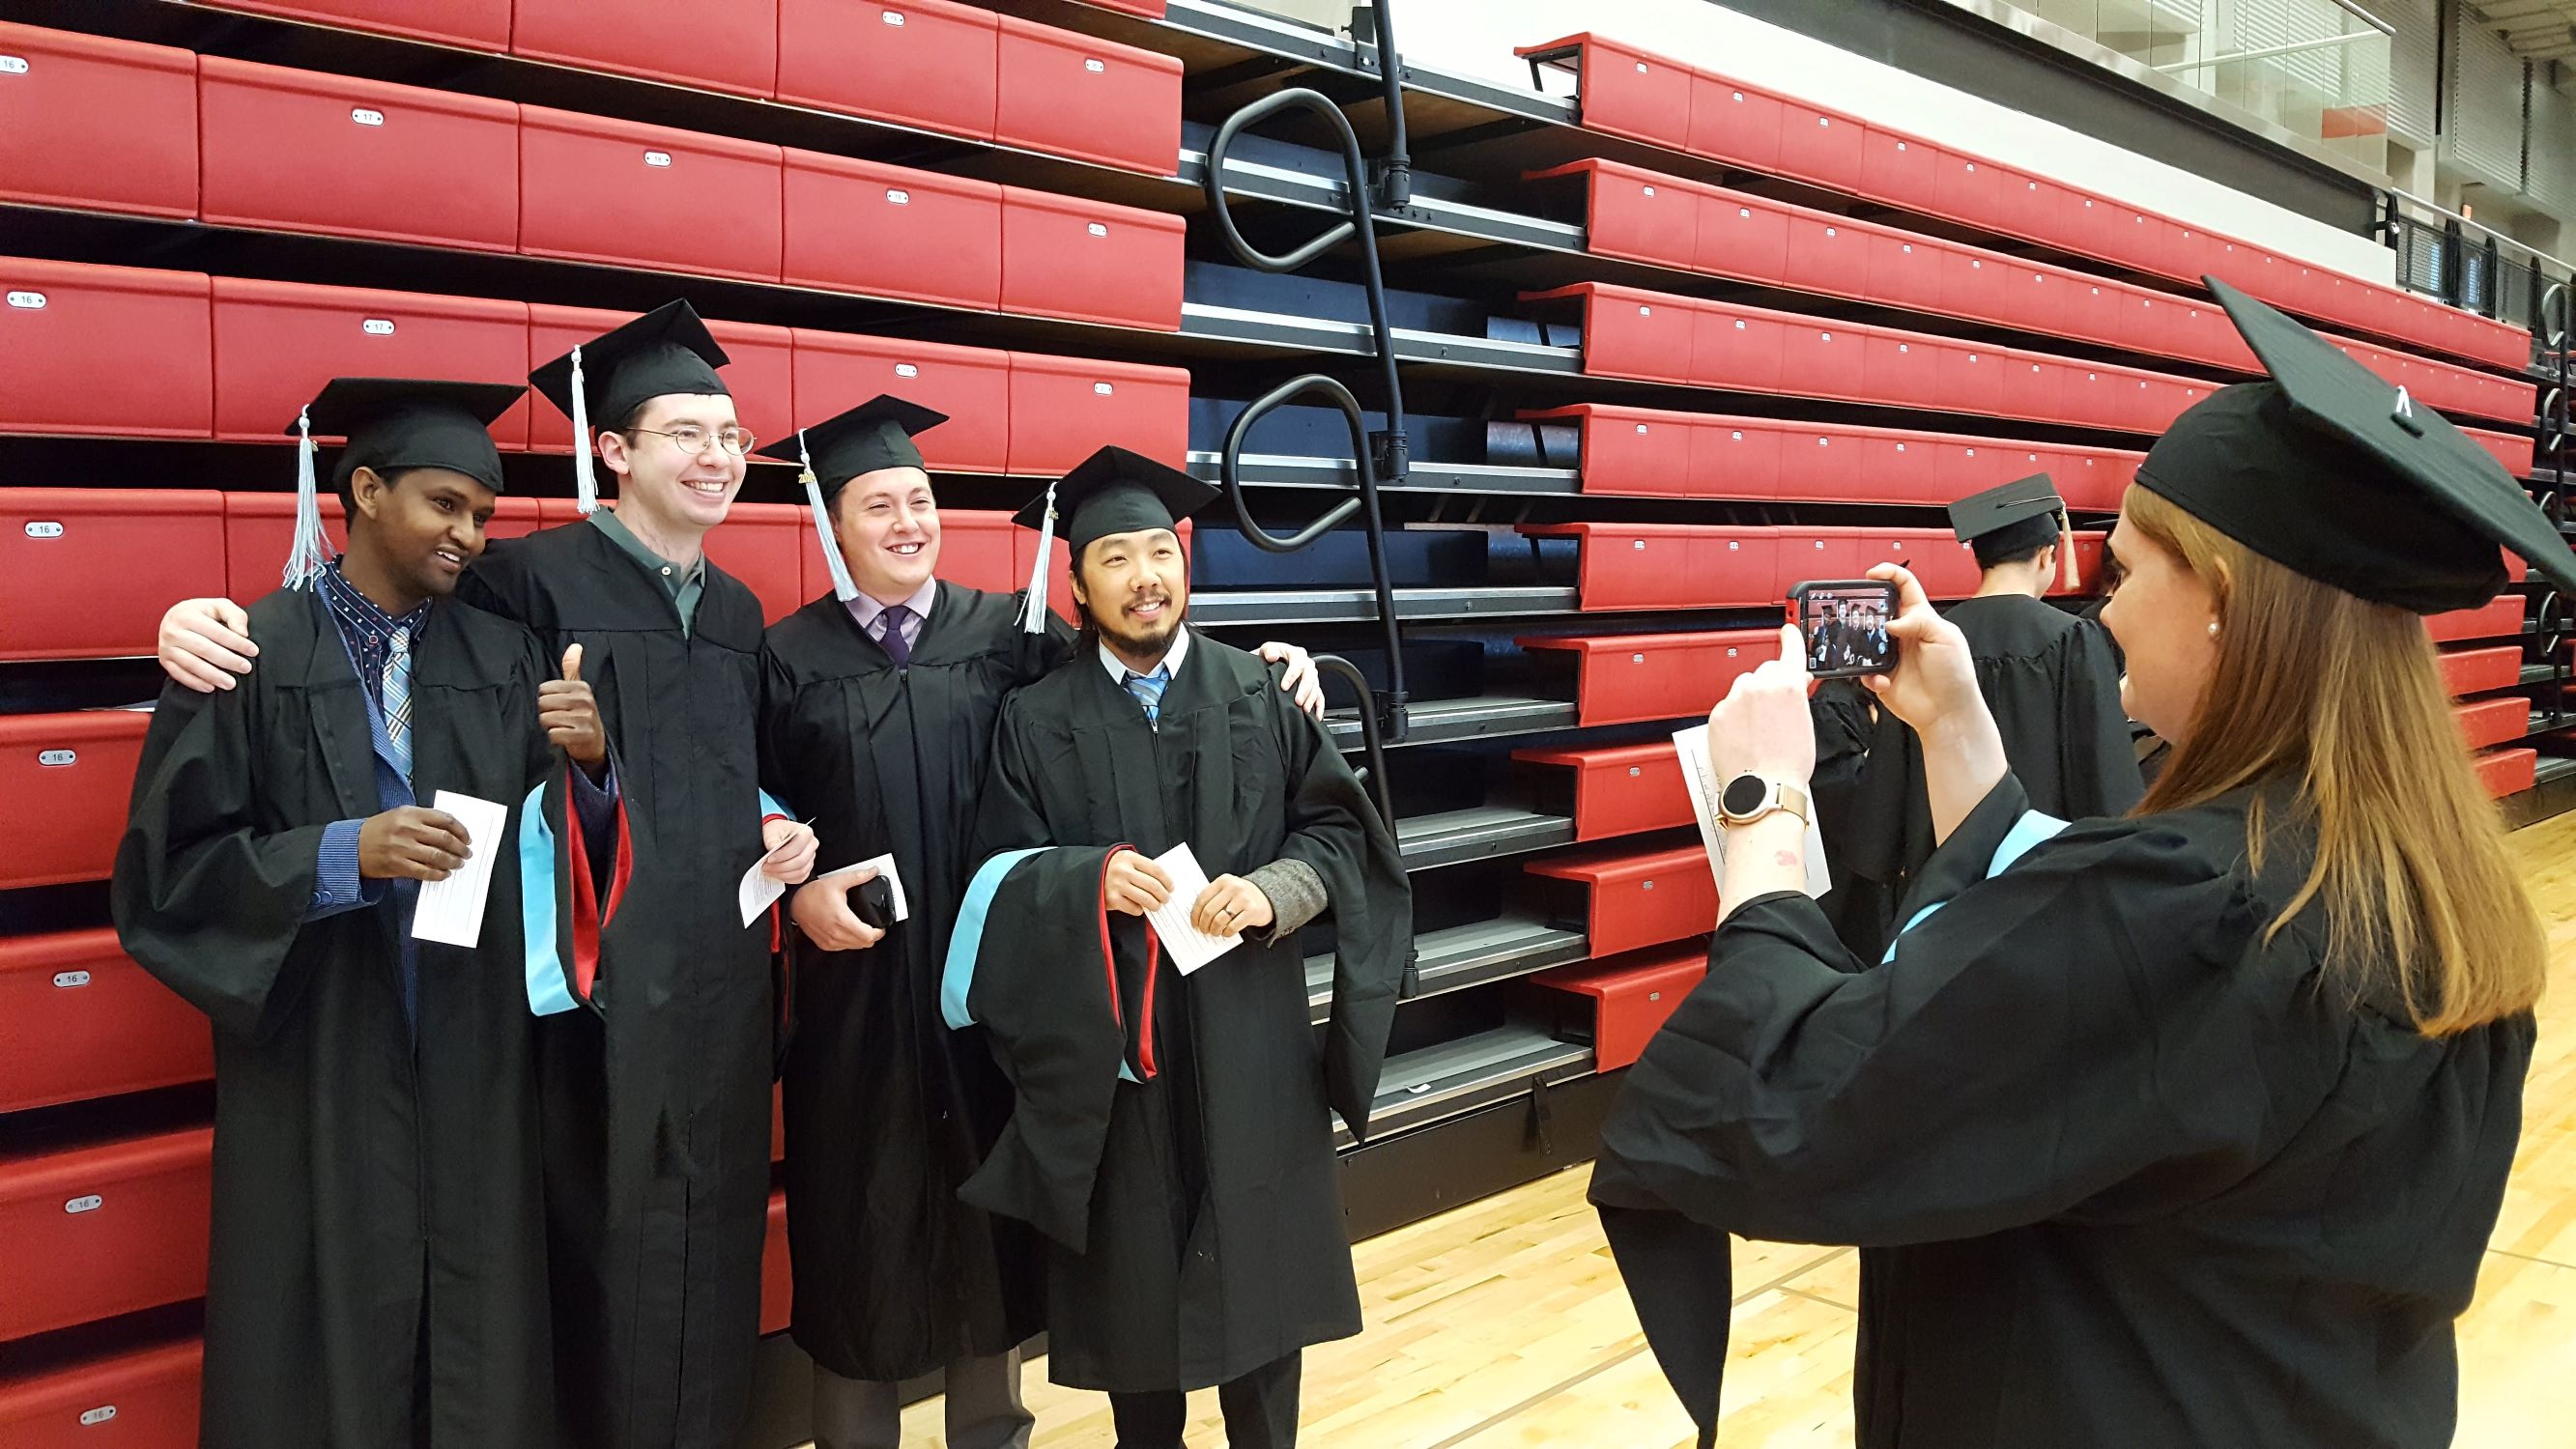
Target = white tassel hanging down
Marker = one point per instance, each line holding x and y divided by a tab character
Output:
311	552
1033	616
585	483
842	587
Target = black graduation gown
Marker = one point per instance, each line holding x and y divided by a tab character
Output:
1844	723
2052	681
328	1121
2134	1176
1216	1243
657	1100
888	1111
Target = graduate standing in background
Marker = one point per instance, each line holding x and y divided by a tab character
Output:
657	1088
378	1273
2188	1128
1171	1133
879	702
2050	678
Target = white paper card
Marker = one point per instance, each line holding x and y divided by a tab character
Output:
758	892
450	911
1190	948
884	866
1692	745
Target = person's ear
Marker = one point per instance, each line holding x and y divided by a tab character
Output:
614	453
367	492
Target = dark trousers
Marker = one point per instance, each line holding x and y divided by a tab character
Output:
1260	1411
983	1408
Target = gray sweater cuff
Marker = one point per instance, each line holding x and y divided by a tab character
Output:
1296	895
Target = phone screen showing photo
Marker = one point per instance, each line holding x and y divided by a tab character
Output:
1846	627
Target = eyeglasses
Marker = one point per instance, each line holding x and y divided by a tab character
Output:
690	438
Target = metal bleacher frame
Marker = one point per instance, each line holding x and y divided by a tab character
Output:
1425	186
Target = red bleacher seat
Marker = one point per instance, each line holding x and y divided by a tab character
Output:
1630	997
2494	721
476	24
101	1230
2514	452
1671	565
890	231
592	189
760	372
678	41
1063	409
135	1398
85	573
2494	619
1631	898
1077	95
117	351
972	385
930	63
1626	678
2508	772
97	123
259	529
1090	261
1627	92
1615	789
78	1020
277	343
1630	92
65	779
1653	452
777	1281
303	151
2475	671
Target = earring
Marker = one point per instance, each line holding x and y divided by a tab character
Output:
2213	628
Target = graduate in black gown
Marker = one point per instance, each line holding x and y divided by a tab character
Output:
656	1081
2183	1129
1172	1133
378	1272
879	702
2051	679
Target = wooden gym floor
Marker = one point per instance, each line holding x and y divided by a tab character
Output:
1503	1324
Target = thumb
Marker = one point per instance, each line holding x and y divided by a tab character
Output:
572	665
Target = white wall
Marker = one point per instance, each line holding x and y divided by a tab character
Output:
1476	37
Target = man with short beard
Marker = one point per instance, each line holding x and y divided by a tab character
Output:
1171	1132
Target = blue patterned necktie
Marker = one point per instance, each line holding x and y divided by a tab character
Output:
897	648
398	701
1148	689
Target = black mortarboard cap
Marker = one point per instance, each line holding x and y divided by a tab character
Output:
2029	499
667	350
1116	491
2333	473
397	422
876	434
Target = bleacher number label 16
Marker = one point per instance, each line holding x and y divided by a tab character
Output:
13	65
43	528
99	1415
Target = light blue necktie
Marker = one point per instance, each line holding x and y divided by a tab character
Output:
398	702
1148	689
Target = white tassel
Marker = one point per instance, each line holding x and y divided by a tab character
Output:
311	551
585	483
842	588
1033	616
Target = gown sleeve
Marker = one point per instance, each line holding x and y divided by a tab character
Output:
2034	1040
2100	764
1333	828
203	898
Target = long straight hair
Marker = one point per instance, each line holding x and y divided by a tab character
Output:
2422	902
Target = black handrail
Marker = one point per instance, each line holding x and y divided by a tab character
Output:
1370	740
1379	457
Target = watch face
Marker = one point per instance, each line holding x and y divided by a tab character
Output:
1745	794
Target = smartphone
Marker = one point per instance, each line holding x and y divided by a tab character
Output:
1845	621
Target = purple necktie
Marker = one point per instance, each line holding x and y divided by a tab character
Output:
897	647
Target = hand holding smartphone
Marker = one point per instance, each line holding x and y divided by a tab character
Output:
1845	623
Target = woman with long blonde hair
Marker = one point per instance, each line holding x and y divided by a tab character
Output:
2182	1129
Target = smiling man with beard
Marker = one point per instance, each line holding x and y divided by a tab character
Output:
1172	1133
